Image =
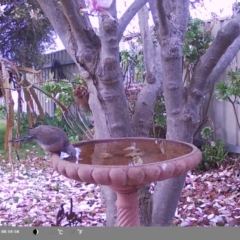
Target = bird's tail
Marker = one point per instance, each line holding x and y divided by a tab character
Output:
27	138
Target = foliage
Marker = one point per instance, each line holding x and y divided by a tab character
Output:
2	133
196	42
62	92
25	33
132	63
160	113
159	123
3	112
206	133
230	91
213	152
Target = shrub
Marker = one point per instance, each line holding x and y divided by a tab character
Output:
213	152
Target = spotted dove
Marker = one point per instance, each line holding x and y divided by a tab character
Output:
51	139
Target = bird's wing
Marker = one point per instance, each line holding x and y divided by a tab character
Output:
48	135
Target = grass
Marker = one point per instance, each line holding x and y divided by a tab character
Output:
25	149
2	134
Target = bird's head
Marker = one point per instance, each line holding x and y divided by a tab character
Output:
71	151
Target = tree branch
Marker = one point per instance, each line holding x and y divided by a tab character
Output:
148	47
128	15
162	17
173	17
146	102
79	39
171	37
59	22
108	29
78	23
209	60
223	63
219	69
153	8
197	89
192	109
113	9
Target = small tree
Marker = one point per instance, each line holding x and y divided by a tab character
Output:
97	57
25	33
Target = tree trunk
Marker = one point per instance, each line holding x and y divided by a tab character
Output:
145	206
97	58
173	18
165	200
144	109
183	106
108	198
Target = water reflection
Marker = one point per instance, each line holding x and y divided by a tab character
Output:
129	152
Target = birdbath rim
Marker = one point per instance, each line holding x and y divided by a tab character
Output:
125	175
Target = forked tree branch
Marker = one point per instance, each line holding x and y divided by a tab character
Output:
144	108
77	22
223	63
128	15
209	60
59	22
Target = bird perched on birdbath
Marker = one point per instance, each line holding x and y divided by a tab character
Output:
51	139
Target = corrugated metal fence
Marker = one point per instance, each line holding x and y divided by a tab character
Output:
221	112
69	68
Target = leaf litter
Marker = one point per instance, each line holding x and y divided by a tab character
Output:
38	196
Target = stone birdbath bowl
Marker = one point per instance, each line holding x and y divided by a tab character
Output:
127	164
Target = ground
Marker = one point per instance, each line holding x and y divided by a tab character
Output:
31	194
211	198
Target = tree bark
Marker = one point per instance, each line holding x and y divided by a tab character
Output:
144	109
173	18
183	105
165	200
147	98
198	86
223	63
128	16
218	70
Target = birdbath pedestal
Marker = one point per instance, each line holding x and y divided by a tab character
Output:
127	164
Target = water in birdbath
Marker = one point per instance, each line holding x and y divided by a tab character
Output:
129	152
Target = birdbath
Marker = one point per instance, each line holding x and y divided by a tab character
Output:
126	165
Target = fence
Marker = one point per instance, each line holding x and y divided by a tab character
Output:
221	112
68	68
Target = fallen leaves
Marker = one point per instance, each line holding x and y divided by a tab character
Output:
37	196
33	196
211	198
